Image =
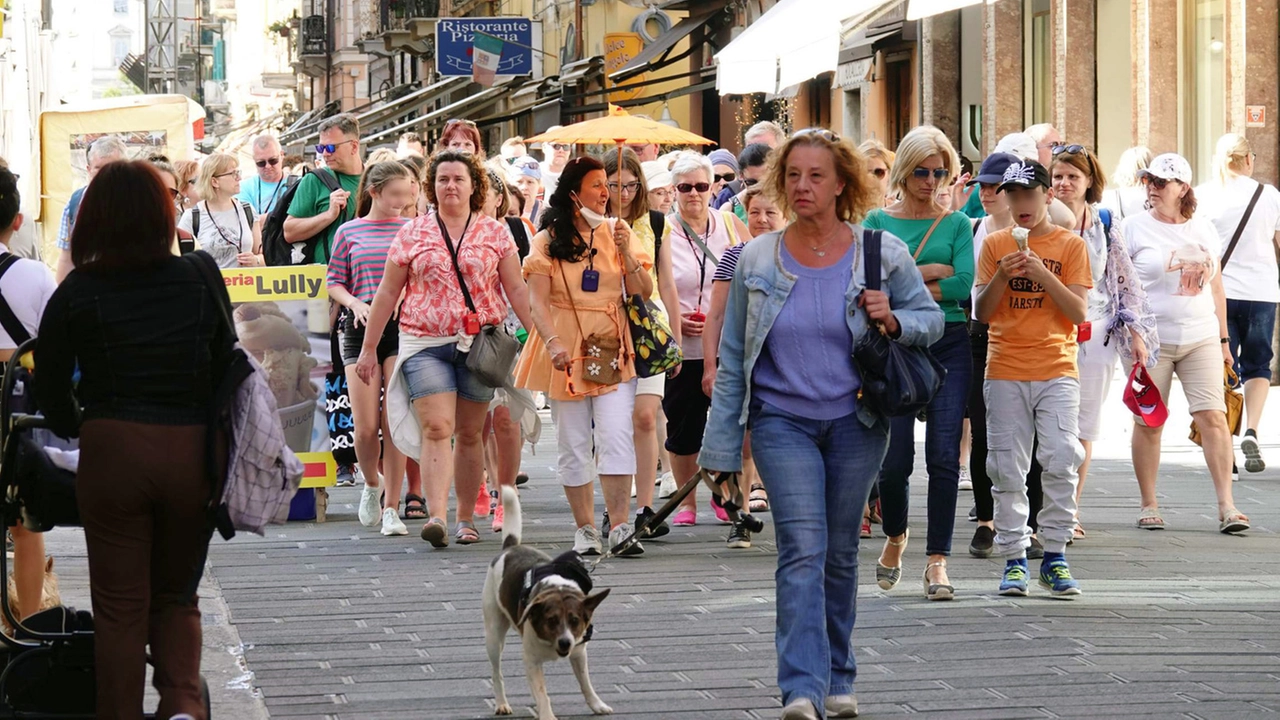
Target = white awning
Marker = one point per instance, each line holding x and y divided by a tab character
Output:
918	9
794	41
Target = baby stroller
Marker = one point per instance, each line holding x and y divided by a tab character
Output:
48	664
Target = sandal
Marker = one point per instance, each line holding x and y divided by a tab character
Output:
1234	522
436	533
937	591
465	533
1149	519
415	507
1077	533
759	499
874	506
888	577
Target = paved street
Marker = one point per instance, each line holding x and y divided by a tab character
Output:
340	622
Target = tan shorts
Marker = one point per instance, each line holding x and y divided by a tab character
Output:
1200	369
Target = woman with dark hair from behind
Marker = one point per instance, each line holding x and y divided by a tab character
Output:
142	327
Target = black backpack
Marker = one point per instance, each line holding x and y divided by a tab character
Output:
275	249
195	219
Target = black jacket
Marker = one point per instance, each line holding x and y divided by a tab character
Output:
143	342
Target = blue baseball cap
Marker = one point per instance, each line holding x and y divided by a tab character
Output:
992	170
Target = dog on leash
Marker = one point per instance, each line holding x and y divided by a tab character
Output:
549	602
51	598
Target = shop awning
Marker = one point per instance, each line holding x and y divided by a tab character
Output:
657	54
411	102
918	9
461	108
794	41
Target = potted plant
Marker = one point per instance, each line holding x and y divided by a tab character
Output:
279	28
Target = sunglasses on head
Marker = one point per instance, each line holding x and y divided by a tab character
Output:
823	133
690	187
879	173
1073	149
1158	183
269	161
726	177
922	173
460	121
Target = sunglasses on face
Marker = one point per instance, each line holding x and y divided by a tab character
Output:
879	173
630	187
690	187
269	161
750	182
1156	182
331	149
560	146
1073	149
726	177
819	132
922	173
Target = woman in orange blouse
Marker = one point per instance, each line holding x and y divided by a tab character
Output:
577	270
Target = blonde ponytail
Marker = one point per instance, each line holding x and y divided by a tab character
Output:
1229	157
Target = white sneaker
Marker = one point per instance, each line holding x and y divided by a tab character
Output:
966	482
842	706
667	487
370	506
391	524
800	709
622	532
587	541
1253	461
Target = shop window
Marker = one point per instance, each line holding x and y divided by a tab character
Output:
1037	60
1204	78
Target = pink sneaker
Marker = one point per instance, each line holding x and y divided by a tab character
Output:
482	502
721	514
685	518
497	519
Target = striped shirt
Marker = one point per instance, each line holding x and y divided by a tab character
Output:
728	263
359	257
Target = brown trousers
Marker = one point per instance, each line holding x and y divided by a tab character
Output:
142	491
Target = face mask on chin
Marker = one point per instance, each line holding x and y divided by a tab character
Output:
593	218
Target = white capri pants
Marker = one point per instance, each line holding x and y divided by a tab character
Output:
613	437
1097	364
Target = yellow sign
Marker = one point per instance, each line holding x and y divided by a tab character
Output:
319	469
300	282
619	49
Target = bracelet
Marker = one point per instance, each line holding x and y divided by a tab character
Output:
547	342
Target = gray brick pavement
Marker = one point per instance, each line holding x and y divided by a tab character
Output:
343	623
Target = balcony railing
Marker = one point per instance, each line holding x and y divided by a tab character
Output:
314	40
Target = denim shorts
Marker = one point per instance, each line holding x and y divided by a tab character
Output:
443	370
1251	326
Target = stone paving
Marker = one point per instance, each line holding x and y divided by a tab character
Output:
340	622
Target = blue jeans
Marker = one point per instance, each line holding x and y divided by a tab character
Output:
941	448
1251	325
818	475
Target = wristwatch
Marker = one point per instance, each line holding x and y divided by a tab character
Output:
1224	340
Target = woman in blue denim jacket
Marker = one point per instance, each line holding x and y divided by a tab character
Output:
797	306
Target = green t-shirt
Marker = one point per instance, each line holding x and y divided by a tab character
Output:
951	244
312	199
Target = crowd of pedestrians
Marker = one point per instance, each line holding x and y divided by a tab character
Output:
1030	282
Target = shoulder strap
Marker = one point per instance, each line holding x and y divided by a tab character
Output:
248	212
195	220
1244	220
17	331
697	239
453	254
977	223
727	217
923	242
329	179
871	257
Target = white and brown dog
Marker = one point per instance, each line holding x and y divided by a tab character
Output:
549	602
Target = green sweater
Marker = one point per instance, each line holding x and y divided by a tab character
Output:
951	244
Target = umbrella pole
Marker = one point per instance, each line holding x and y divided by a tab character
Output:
619	205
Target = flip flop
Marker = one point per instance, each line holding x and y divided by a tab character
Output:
1234	522
465	533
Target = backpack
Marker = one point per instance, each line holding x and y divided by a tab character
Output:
262	473
275	249
195	218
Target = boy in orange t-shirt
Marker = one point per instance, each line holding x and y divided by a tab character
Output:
1032	280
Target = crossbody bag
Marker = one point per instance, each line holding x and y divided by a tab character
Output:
495	349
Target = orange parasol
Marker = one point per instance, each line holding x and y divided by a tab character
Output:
622	128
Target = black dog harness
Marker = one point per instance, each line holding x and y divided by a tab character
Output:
568	566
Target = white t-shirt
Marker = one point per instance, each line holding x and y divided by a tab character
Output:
27	287
224	234
1251	273
1175	264
979	235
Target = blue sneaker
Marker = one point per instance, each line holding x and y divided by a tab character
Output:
1055	577
1015	578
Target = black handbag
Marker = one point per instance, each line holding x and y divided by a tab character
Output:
897	380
